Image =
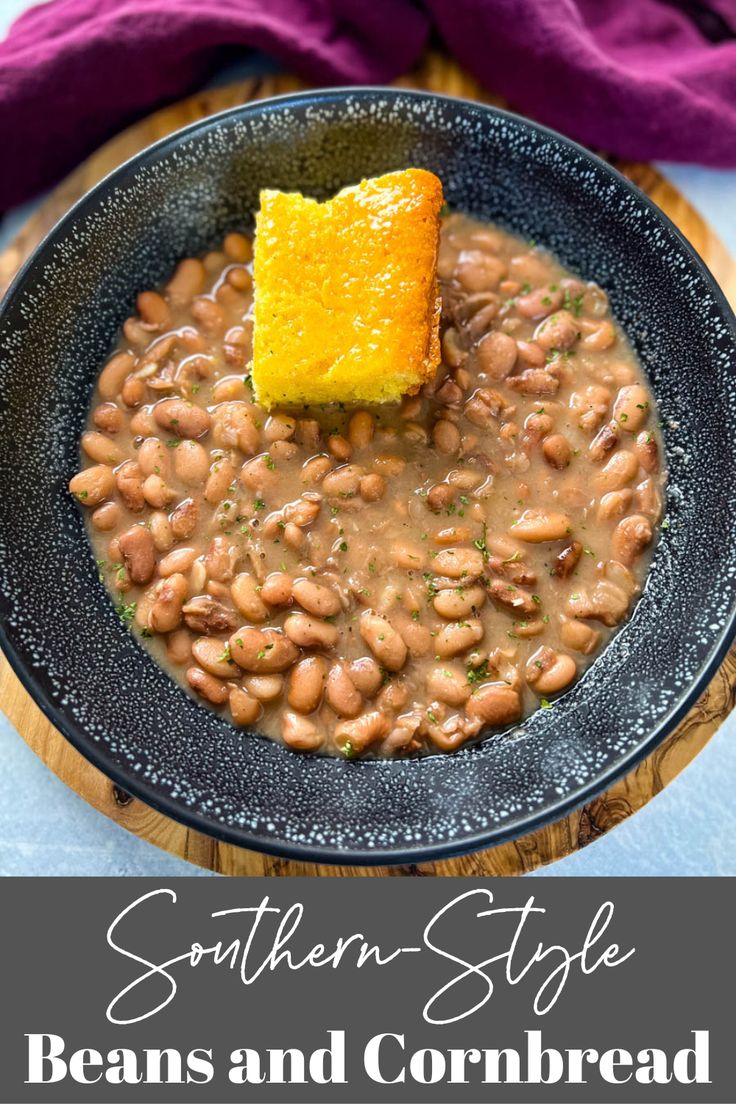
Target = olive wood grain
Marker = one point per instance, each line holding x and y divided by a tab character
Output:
439	74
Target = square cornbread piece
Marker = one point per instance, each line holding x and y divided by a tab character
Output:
347	304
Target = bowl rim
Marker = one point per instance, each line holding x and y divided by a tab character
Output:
423	852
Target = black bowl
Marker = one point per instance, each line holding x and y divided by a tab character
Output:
110	699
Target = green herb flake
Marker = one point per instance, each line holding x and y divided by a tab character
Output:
126	613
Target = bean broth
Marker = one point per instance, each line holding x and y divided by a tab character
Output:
388	580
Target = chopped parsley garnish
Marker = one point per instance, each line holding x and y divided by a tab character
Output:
477	674
126	613
545	704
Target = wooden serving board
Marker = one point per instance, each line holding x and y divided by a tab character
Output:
438	74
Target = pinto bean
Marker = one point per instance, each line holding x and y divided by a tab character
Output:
156	492
300	733
262	651
354	736
361	429
179	560
598	336
91	486
129	483
579	636
383	640
169	597
457	637
114	374
182	418
258	473
389	465
108	417
590	406
153	310
214	690
163	538
244	708
204	614
139	554
187	281
309	632
534	381
343	481
557	451
106	517
604	441
567	560
416	636
620	470
365	675
631	408
314	598
647	451
183	519
372	487
213	654
548	671
208	314
316	469
306	684
606	602
221	559
459	563
494	704
448	684
266	688
245	593
222	475
496	355
459	602
279	427
536	526
630	537
531	354
233	426
101	449
558	331
153	458
614	504
512	598
339	447
341	694
476	271
191	463
539	302
277	588
133	392
446	437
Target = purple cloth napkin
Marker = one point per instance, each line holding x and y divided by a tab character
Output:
639	78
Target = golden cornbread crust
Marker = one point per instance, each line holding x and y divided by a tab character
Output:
347	304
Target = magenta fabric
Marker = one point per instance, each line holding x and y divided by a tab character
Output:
639	78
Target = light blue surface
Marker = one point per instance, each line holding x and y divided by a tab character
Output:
690	828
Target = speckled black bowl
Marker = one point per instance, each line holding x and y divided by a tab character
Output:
103	691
